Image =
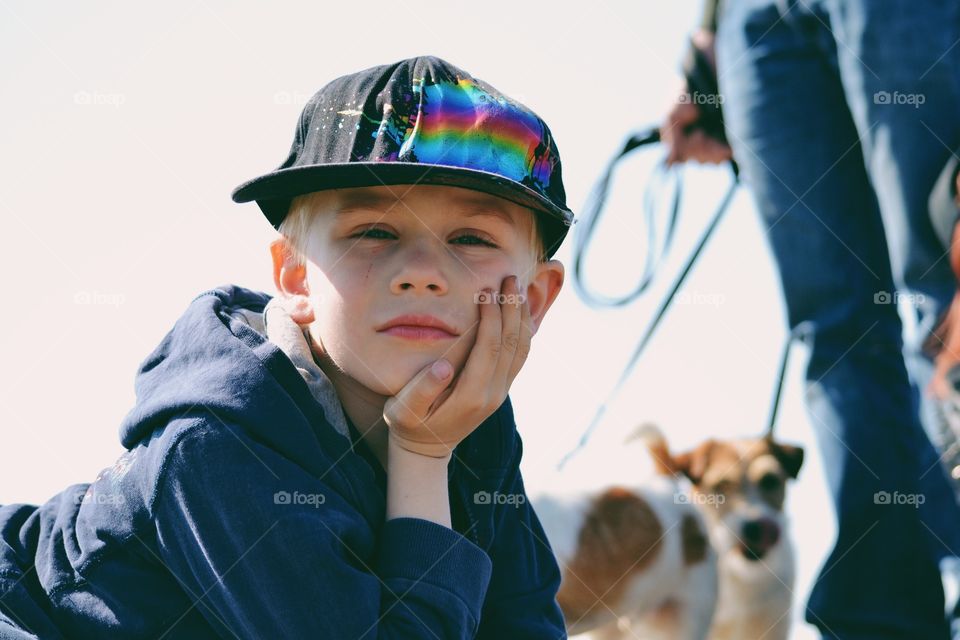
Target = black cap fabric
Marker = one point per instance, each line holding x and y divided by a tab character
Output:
419	121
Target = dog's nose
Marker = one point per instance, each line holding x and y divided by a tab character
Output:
758	536
761	531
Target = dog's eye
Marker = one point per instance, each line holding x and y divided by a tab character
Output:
769	482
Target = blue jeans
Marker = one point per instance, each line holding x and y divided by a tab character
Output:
841	114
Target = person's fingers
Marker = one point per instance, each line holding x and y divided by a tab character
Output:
450	406
704	148
677	148
405	412
523	349
473	388
686	114
681	115
667	128
708	149
719	152
511	311
716	151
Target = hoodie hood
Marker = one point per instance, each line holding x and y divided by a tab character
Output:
226	358
278	327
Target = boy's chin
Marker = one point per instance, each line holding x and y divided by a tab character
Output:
392	378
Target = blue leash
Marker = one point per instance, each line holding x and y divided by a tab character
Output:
583	232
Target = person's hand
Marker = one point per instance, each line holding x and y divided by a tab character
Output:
433	413
943	343
678	131
693	144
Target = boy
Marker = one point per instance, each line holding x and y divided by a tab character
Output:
300	466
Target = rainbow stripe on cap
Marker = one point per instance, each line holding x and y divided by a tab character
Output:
462	124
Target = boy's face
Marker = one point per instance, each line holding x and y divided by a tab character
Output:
375	253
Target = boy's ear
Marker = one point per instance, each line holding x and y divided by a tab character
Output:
290	280
543	289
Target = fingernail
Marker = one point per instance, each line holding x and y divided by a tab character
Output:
441	369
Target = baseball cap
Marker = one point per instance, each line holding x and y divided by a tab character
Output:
419	121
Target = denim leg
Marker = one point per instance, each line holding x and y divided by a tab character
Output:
899	63
798	147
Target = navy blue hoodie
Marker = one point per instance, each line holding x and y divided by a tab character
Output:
243	509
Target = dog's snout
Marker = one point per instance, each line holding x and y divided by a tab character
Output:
758	536
762	531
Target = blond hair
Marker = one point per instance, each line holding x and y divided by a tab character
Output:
295	228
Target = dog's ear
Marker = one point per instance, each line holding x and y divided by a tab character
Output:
693	464
789	456
656	443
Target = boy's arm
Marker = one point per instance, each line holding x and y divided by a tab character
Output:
521	600
264	549
417	485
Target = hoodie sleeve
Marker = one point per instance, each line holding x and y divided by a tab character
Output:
521	601
265	550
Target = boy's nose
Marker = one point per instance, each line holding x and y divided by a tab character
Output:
420	275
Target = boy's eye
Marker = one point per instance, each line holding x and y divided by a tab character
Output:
478	239
368	233
474	239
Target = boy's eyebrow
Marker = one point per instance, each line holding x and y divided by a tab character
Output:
488	212
356	201
370	201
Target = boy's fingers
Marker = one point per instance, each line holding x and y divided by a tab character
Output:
511	341
526	339
473	384
407	410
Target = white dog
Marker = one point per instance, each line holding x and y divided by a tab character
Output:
696	550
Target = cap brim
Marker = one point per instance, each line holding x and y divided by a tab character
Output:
274	191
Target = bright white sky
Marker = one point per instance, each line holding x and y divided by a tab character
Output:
126	127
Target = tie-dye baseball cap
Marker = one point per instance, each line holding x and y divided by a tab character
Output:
419	121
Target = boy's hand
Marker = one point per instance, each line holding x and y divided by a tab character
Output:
432	413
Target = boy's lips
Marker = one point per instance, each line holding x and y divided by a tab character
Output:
419	326
418	333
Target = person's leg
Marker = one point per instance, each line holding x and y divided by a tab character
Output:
792	134
899	62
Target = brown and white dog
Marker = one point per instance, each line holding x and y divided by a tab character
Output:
697	550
